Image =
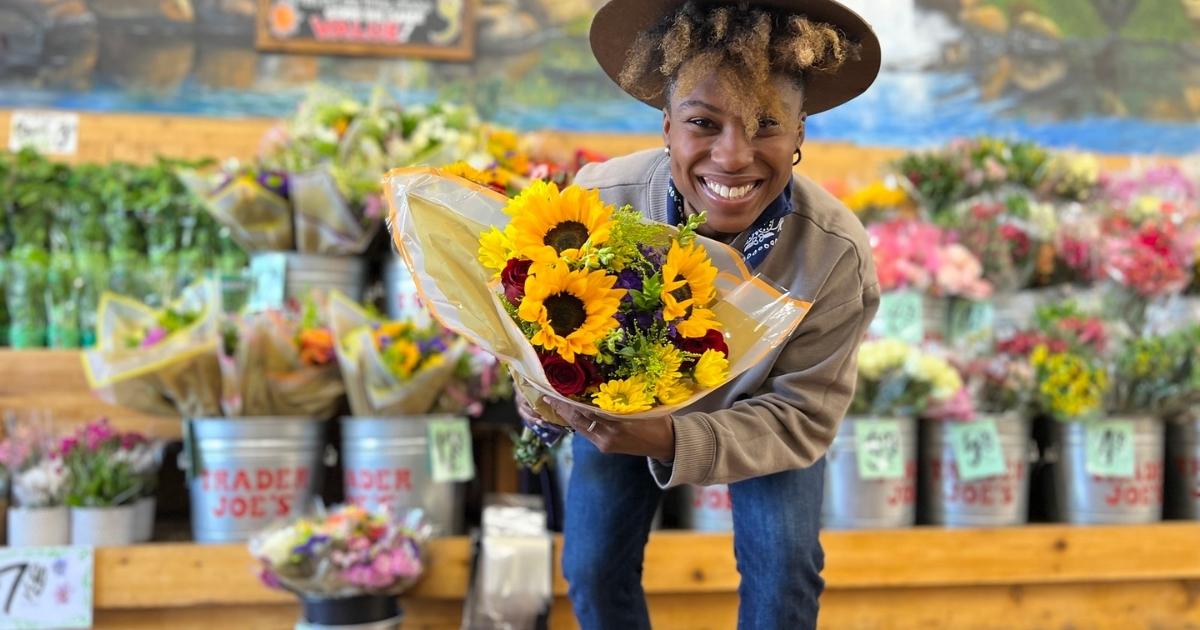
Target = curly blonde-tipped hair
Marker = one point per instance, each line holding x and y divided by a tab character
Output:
746	47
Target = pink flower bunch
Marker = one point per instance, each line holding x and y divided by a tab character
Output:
906	253
917	255
1165	182
1152	260
384	568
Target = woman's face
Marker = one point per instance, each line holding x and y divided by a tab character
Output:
716	167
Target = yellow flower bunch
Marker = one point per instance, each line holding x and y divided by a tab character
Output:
878	195
1069	385
944	380
881	356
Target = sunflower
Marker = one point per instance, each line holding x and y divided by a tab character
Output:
688	289
627	396
549	223
711	369
496	248
573	310
467	172
402	357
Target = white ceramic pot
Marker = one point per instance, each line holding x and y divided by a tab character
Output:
143	524
103	526
39	527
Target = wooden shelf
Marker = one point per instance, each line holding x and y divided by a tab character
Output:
1037	576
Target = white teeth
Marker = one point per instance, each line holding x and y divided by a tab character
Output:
727	192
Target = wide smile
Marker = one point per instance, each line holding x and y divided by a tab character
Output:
728	194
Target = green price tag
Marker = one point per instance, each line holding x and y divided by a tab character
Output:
1110	448
268	272
450	455
977	452
901	316
878	449
971	321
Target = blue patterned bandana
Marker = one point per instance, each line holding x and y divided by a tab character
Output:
761	237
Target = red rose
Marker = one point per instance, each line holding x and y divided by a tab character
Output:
712	340
568	379
513	278
590	369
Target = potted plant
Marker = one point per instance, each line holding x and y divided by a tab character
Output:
871	466
347	566
39	480
104	485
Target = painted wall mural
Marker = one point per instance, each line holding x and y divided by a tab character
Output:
1106	75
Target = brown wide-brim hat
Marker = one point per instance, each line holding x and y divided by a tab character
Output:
619	22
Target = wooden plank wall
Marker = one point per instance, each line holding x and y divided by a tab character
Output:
1031	577
140	137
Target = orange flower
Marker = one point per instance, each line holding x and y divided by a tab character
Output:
316	346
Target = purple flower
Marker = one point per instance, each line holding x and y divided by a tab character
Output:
437	344
310	545
653	255
630	280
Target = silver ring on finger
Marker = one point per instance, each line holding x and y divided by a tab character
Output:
592	427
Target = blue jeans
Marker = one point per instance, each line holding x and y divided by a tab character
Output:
611	502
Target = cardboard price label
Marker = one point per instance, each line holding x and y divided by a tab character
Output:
450	455
878	449
46	587
1110	449
269	277
977	451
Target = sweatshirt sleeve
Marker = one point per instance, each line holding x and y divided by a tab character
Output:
793	417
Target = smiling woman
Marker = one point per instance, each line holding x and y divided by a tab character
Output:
734	82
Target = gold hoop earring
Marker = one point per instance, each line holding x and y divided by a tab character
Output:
797	157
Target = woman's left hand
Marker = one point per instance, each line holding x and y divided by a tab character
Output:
654	437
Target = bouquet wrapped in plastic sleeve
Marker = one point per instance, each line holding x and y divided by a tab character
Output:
274	363
588	304
159	361
326	221
253	203
390	368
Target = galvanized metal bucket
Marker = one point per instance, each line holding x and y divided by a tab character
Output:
852	502
1183	470
402	300
245	473
306	274
945	499
1083	498
710	508
386	463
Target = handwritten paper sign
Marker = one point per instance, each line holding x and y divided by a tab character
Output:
901	316
45	587
434	29
977	451
971	322
269	274
450	454
878	449
1110	448
52	133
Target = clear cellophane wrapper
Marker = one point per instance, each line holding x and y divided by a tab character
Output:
258	219
178	376
325	222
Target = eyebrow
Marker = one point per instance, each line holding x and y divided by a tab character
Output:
699	103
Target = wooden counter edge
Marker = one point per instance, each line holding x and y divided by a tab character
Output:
175	575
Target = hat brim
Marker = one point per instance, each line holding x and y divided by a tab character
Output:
619	22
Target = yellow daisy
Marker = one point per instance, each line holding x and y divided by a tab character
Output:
467	172
495	249
674	392
627	396
572	309
402	358
549	223
712	368
688	290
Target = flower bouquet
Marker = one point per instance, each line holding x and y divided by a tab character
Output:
107	468
391	368
346	566
253	202
897	379
281	364
878	201
159	361
968	167
1070	375
1011	233
1145	263
588	304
